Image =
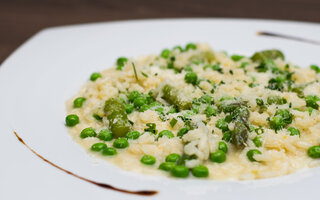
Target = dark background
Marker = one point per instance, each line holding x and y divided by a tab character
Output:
20	19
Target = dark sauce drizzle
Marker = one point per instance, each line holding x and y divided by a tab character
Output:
288	37
103	185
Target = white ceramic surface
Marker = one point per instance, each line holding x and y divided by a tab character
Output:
49	68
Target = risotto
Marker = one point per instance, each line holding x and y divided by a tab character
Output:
199	113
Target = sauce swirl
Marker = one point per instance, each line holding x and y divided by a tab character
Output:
288	37
103	185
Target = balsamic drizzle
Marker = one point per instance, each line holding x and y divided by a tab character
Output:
288	37
103	185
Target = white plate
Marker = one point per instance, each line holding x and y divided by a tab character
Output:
36	80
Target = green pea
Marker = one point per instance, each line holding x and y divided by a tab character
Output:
236	57
315	68
206	99
227	136
172	110
210	111
149	98
139	101
167	166
144	107
180	171
105	135
95	76
311	101
285	114
133	135
121	62
223	147
293	131
218	156
121	143
109	151
267	65
277	83
191	77
200	171
88	132
155	104
217	68
72	120
148	160
133	95
78	102
257	141
167	133
157	107
243	65
222	124
98	147
174	157
251	153
229	118
276	123
314	152
190	46
129	108
188	69
182	131
178	47
165	53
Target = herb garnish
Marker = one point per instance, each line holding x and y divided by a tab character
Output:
135	72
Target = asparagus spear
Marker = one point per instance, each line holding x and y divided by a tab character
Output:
265	55
176	97
117	116
240	115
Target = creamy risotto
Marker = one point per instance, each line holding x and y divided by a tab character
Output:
199	113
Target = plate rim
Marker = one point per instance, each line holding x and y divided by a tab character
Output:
169	19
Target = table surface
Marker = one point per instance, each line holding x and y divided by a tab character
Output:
20	19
